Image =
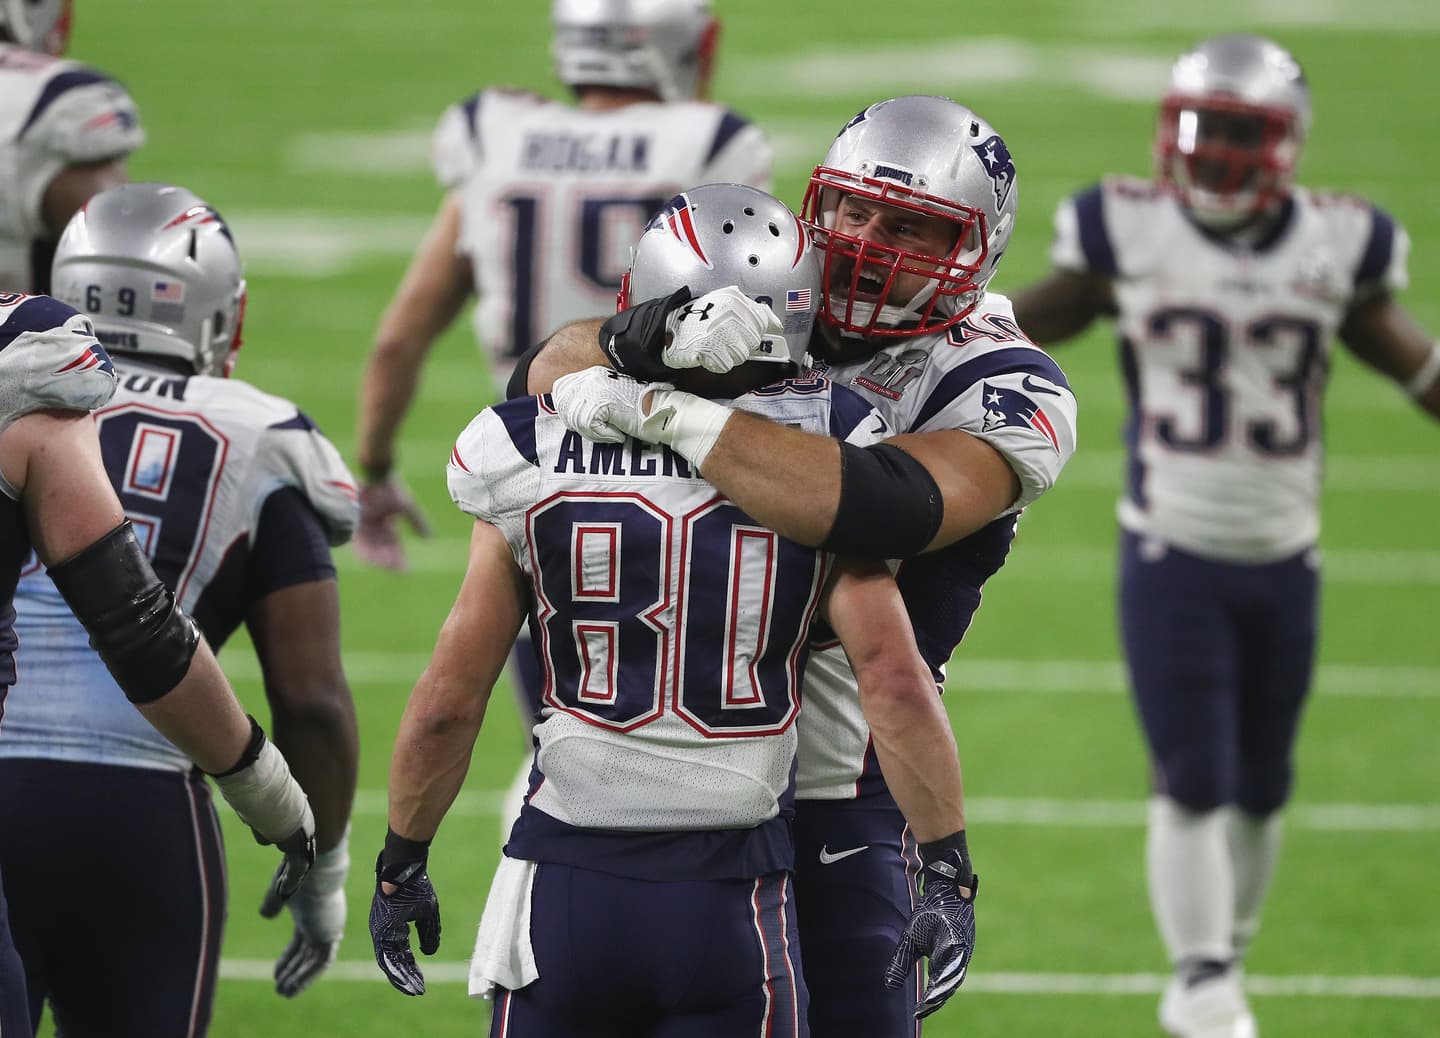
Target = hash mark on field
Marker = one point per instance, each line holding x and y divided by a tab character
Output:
986	983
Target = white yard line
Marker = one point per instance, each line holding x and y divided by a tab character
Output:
978	982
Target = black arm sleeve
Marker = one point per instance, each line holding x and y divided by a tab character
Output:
519	384
890	506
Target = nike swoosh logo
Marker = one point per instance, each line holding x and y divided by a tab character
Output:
1036	387
826	858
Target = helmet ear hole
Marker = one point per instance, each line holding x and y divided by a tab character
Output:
218	324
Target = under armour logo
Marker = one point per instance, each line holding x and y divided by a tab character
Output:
700	313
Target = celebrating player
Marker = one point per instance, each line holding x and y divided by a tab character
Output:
647	878
543	200
913	206
237	498
1227	283
65	131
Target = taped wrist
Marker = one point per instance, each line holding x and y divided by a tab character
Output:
949	858
263	792
634	339
135	625
690	425
890	506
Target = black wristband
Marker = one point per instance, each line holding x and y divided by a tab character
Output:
634	339
950	851
252	751
401	851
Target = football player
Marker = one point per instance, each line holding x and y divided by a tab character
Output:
543	200
237	499
1227	283
673	631
65	131
913	206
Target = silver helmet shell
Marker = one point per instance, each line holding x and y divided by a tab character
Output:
718	235
42	25
155	268
922	154
1231	128
667	46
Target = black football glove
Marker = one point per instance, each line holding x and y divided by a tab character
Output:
402	863
942	927
634	339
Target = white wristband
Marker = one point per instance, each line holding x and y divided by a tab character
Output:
689	424
266	797
1418	384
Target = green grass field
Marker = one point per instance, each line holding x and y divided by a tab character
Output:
306	123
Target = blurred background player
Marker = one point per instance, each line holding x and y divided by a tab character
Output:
65	131
237	499
1228	284
543	200
913	207
661	799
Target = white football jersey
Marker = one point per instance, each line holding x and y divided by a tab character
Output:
1226	351
553	197
193	461
671	627
53	113
982	376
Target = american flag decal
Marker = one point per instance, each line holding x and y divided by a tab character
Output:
167	292
797	299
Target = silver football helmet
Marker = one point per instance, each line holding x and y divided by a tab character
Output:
1231	128
926	155
155	268
718	235
663	45
42	25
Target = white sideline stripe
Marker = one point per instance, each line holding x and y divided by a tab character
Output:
1049	813
971	676
985	983
1361	567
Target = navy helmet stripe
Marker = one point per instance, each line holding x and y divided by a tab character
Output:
471	106
1014	359
519	417
60	84
37	314
1378	250
730	125
1094	238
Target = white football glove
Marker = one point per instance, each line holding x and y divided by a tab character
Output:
719	331
318	909
604	406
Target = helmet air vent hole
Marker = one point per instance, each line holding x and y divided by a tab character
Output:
192	243
754	261
749	211
728	226
774	231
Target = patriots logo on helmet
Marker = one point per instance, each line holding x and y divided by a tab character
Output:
675	214
997	161
1011	407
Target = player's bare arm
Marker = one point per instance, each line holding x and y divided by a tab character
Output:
1383	334
441	720
435	287
573	347
74	185
296	633
897	692
1062	305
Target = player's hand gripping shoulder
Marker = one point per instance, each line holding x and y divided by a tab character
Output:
605	406
942	926
718	331
318	910
384	502
403	894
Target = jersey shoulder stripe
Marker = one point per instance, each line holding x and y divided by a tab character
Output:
300	420
519	417
471	107
731	123
36	314
1379	249
1094	236
55	88
1029	360
848	409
